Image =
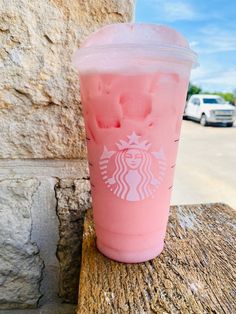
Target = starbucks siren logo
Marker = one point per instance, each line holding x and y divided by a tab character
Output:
133	178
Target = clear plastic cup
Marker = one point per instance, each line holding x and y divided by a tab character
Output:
133	83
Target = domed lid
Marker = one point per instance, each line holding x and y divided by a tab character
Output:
111	45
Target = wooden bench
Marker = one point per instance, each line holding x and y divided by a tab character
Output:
196	273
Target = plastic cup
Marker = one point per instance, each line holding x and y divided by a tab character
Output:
133	83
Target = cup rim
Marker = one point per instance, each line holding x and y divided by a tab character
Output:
148	50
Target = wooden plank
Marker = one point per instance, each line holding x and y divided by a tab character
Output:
196	273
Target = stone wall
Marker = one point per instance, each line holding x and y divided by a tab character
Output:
21	266
44	181
73	199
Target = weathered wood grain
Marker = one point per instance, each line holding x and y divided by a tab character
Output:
196	273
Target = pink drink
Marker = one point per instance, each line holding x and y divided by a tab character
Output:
133	119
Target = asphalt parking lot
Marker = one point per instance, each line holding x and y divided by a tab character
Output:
206	165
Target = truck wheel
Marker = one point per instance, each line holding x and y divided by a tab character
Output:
203	120
229	124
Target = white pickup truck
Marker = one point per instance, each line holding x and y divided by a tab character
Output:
210	109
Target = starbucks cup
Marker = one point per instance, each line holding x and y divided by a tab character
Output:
133	84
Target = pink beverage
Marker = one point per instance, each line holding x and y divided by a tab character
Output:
133	80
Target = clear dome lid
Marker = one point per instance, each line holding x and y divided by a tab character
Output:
131	46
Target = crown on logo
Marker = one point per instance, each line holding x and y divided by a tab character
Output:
133	142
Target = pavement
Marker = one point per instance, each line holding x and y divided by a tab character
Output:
206	165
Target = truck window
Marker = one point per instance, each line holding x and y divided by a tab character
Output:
195	101
213	100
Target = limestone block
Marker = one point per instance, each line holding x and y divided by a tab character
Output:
44	216
73	199
20	263
40	114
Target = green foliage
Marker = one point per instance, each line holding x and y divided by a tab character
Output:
194	89
227	96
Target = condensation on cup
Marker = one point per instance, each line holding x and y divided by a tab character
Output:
133	84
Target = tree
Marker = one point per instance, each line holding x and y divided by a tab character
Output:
193	89
227	96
